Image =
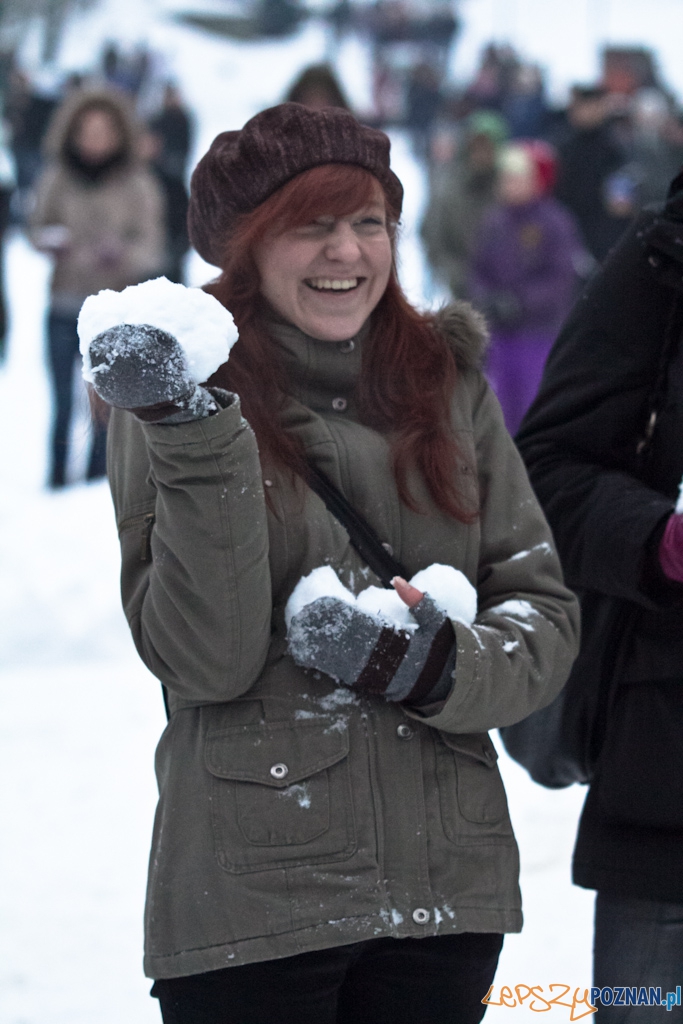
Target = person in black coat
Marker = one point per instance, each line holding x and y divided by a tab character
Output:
603	443
588	183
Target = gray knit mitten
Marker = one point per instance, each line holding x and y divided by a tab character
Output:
144	369
345	642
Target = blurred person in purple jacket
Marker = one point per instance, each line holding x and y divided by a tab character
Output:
524	273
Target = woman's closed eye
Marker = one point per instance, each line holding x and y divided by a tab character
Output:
370	224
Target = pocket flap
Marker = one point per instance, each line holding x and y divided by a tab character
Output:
275	754
477	745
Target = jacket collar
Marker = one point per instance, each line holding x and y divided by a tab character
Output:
323	374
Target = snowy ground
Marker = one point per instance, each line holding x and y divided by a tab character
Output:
79	714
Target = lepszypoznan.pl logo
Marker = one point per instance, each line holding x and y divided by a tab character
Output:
581	1002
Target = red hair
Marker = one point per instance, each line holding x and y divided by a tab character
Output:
408	370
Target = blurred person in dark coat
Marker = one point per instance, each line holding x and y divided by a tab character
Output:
588	182
176	201
174	125
655	148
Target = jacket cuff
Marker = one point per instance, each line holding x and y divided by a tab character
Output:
228	420
654	581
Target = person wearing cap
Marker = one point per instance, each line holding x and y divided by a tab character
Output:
524	274
332	841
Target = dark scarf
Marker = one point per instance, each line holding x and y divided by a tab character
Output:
91	173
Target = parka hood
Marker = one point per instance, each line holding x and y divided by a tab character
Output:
61	126
467	332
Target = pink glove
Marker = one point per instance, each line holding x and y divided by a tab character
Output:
671	548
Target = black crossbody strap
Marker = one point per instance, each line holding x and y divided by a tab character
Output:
362	536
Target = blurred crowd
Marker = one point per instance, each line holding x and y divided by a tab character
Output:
524	199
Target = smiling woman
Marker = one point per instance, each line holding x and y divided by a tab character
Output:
332	842
327	276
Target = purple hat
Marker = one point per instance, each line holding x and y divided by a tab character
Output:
244	168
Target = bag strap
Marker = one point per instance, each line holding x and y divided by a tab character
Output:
362	536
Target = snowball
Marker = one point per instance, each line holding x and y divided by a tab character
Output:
448	587
450	590
679	503
203	327
322	582
386	605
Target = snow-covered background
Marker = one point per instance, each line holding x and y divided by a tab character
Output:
79	714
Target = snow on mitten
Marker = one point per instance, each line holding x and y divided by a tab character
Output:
371	656
149	347
144	369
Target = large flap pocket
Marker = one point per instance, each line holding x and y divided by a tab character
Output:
281	794
277	754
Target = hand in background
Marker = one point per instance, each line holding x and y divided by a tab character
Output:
671	548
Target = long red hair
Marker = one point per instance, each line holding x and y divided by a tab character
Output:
408	369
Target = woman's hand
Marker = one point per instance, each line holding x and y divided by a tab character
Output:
53	239
148	347
409	595
671	548
348	644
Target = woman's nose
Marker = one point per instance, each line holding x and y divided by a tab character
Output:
342	244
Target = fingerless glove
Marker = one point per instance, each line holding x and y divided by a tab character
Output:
360	651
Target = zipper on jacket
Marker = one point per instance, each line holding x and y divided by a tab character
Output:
146	537
146	522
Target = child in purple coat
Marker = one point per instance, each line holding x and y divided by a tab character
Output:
523	274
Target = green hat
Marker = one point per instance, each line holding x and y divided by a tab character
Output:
487	122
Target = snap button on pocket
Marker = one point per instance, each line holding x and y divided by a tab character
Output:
404	731
421	916
279	771
339	404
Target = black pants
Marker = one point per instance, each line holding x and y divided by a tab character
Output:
436	980
638	943
63	349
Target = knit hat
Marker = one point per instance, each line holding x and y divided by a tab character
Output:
488	123
531	156
244	168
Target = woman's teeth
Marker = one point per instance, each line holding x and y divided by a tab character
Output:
329	284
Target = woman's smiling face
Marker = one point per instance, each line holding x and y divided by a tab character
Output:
327	276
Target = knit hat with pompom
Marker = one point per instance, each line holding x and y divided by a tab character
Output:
243	168
531	156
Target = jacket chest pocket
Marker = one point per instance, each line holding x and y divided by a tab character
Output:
280	795
471	793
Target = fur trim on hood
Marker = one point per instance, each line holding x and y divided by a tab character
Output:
467	332
65	117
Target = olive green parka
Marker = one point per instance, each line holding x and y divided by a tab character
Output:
294	814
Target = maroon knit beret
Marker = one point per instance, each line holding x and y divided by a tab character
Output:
241	169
